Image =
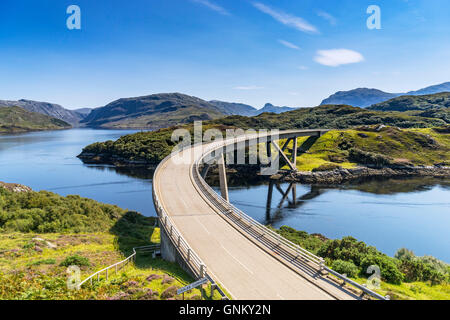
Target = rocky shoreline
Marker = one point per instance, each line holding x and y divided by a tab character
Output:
361	173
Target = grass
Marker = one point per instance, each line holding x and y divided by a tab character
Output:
17	120
421	146
412	290
27	273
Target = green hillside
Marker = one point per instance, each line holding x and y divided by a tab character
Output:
410	103
152	112
16	119
42	233
151	147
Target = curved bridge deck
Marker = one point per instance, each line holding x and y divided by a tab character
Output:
243	267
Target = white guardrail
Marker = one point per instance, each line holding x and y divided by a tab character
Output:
119	264
287	249
193	261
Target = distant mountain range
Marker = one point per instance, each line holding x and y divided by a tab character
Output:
152	112
229	108
364	97
46	108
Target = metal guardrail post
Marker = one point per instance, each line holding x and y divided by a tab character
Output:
202	270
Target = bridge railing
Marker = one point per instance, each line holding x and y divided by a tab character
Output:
195	264
227	208
118	265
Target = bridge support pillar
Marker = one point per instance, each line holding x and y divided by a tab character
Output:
294	152
223	178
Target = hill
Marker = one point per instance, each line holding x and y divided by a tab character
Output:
46	108
409	103
361	97
149	148
364	97
231	108
16	119
443	87
152	112
273	109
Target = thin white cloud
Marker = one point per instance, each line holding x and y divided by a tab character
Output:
332	20
213	6
337	57
302	68
289	44
286	18
248	88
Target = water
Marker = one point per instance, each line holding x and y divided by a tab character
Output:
413	213
47	161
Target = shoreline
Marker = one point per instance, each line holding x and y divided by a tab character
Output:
360	173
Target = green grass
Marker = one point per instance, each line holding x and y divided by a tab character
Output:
29	274
421	146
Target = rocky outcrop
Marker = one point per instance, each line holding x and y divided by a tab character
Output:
345	175
15	187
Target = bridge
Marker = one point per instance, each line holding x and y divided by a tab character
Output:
208	236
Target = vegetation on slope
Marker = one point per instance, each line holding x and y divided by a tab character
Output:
152	147
17	120
408	103
152	112
41	233
404	276
373	146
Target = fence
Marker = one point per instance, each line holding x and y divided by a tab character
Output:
288	250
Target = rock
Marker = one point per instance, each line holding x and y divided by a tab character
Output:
15	187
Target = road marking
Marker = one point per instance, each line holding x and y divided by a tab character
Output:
248	270
196	219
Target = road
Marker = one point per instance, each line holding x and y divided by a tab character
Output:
246	270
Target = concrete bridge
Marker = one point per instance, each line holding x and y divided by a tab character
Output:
206	235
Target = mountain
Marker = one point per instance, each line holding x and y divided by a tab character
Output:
410	103
46	108
230	108
444	87
273	109
83	111
152	112
16	119
240	109
361	97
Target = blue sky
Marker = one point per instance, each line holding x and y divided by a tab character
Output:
286	52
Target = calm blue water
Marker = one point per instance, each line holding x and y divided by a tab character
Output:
388	214
47	161
416	217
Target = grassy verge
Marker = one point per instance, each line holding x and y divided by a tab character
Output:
403	277
368	146
42	233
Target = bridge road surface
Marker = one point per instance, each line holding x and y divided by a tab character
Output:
245	270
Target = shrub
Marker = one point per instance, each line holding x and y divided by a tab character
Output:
170	292
345	267
41	262
370	158
75	260
388	267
